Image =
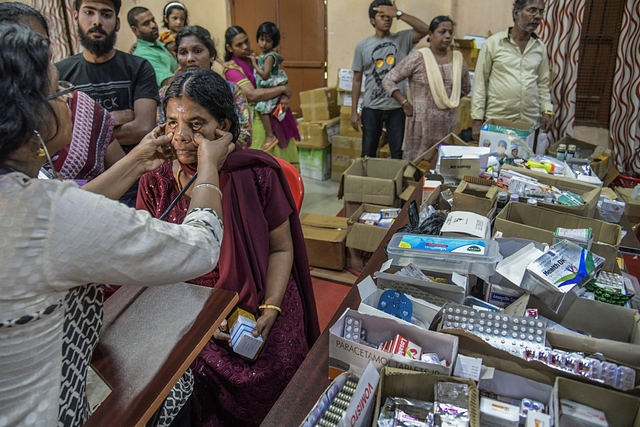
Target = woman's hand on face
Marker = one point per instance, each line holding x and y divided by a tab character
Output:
408	109
265	323
214	153
154	150
284	101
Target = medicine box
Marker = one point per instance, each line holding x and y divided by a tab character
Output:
462	255
345	355
574	414
564	267
241	324
494	413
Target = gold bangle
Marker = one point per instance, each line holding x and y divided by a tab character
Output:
272	307
404	102
547	113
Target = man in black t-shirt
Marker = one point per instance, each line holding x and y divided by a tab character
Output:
123	84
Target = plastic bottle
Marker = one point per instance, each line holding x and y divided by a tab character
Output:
514	198
571	151
532	202
562	152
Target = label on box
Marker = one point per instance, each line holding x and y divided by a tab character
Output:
582	414
466	223
494	413
435	244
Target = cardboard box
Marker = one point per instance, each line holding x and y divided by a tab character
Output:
586	148
463	115
427	160
454	163
342	155
315	163
435	293
589	193
493	132
475	198
345	99
359	413
632	208
365	237
345	354
469	51
357	259
345	80
421	386
345	124
538	224
317	134
620	409
372	180
319	104
325	238
370	293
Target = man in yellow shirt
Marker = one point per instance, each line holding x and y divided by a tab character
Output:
512	74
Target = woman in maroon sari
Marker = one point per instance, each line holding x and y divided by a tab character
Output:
263	256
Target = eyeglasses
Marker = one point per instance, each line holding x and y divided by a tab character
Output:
65	89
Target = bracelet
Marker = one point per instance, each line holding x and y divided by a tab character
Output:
272	307
404	102
206	185
547	113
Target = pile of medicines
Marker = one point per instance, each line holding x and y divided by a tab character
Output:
385	218
496	410
450	409
620	377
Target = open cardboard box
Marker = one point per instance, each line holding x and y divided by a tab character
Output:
632	208
421	386
345	354
589	193
365	237
344	150
453	291
370	296
325	238
372	180
538	223
621	410
359	413
516	387
427	160
475	198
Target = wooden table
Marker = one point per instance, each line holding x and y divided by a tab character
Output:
149	338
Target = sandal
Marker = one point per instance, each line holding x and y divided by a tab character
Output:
270	145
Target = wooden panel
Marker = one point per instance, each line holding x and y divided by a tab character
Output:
596	63
149	338
249	14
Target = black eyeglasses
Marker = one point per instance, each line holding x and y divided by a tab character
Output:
64	89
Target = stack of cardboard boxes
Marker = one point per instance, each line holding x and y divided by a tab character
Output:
320	123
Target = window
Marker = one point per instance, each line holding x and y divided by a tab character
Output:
596	64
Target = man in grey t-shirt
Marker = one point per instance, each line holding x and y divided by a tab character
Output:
375	56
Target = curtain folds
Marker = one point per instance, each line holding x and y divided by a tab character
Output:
560	32
62	31
625	103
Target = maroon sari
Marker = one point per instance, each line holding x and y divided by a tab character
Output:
228	389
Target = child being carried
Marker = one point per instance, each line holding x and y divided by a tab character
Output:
268	74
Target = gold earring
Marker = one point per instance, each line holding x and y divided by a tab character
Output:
40	153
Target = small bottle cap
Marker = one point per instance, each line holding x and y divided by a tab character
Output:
532	202
562	147
503	196
514	197
572	147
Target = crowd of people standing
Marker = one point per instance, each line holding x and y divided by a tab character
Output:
193	151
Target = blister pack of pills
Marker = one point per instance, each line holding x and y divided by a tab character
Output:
336	410
508	333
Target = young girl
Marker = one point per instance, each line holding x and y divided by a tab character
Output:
268	74
175	17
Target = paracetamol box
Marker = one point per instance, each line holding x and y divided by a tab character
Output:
346	355
494	413
565	266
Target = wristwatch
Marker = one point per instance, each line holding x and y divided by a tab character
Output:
399	13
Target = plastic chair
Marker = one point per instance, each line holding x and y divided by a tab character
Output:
295	181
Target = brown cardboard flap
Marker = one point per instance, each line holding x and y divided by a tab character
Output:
424	160
372	180
323	221
365	237
475	198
